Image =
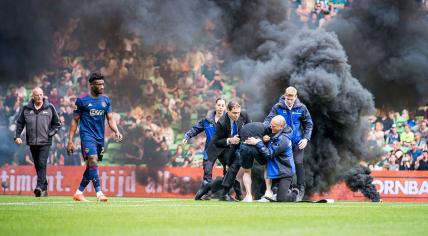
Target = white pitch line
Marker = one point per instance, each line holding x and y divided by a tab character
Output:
236	205
73	202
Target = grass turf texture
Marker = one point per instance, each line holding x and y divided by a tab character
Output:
24	215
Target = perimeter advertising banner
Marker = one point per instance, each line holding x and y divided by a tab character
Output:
120	181
393	186
131	181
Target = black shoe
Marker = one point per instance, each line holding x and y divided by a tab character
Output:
44	193
239	197
300	194
227	198
37	192
202	191
207	196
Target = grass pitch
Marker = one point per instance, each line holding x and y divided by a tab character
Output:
24	215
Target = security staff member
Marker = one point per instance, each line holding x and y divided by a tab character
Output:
41	121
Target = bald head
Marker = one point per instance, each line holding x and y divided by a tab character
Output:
277	124
37	95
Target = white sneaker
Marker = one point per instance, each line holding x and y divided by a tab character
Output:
263	199
268	194
271	198
247	199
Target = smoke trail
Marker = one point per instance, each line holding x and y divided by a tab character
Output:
27	30
315	63
7	146
272	53
359	178
387	45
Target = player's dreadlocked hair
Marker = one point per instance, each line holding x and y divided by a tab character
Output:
95	76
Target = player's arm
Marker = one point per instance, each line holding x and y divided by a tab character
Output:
113	126
72	131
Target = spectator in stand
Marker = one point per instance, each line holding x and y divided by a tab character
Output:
407	136
325	20
54	98
392	163
406	163
400	121
208	70
379	134
148	93
10	101
422	162
392	135
177	160
303	12
423	130
148	124
150	146
414	151
314	21
189	157
200	84
157	79
3	116
163	155
166	132
217	83
21	91
196	59
388	121
420	144
46	85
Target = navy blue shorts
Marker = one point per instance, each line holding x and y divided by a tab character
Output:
90	148
247	154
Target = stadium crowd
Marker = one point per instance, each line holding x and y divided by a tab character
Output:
403	138
159	91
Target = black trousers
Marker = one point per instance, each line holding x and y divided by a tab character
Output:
40	157
298	162
283	185
208	169
232	171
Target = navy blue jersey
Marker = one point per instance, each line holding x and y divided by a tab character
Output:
92	113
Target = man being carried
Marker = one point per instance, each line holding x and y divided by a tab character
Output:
279	155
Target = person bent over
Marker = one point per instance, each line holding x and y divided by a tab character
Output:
279	156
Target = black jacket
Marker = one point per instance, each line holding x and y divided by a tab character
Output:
40	125
218	146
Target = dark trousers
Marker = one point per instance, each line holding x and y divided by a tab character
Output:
298	162
208	169
40	157
283	185
232	171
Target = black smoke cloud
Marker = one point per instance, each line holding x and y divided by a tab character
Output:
275	53
359	178
26	33
387	45
315	63
270	51
27	28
